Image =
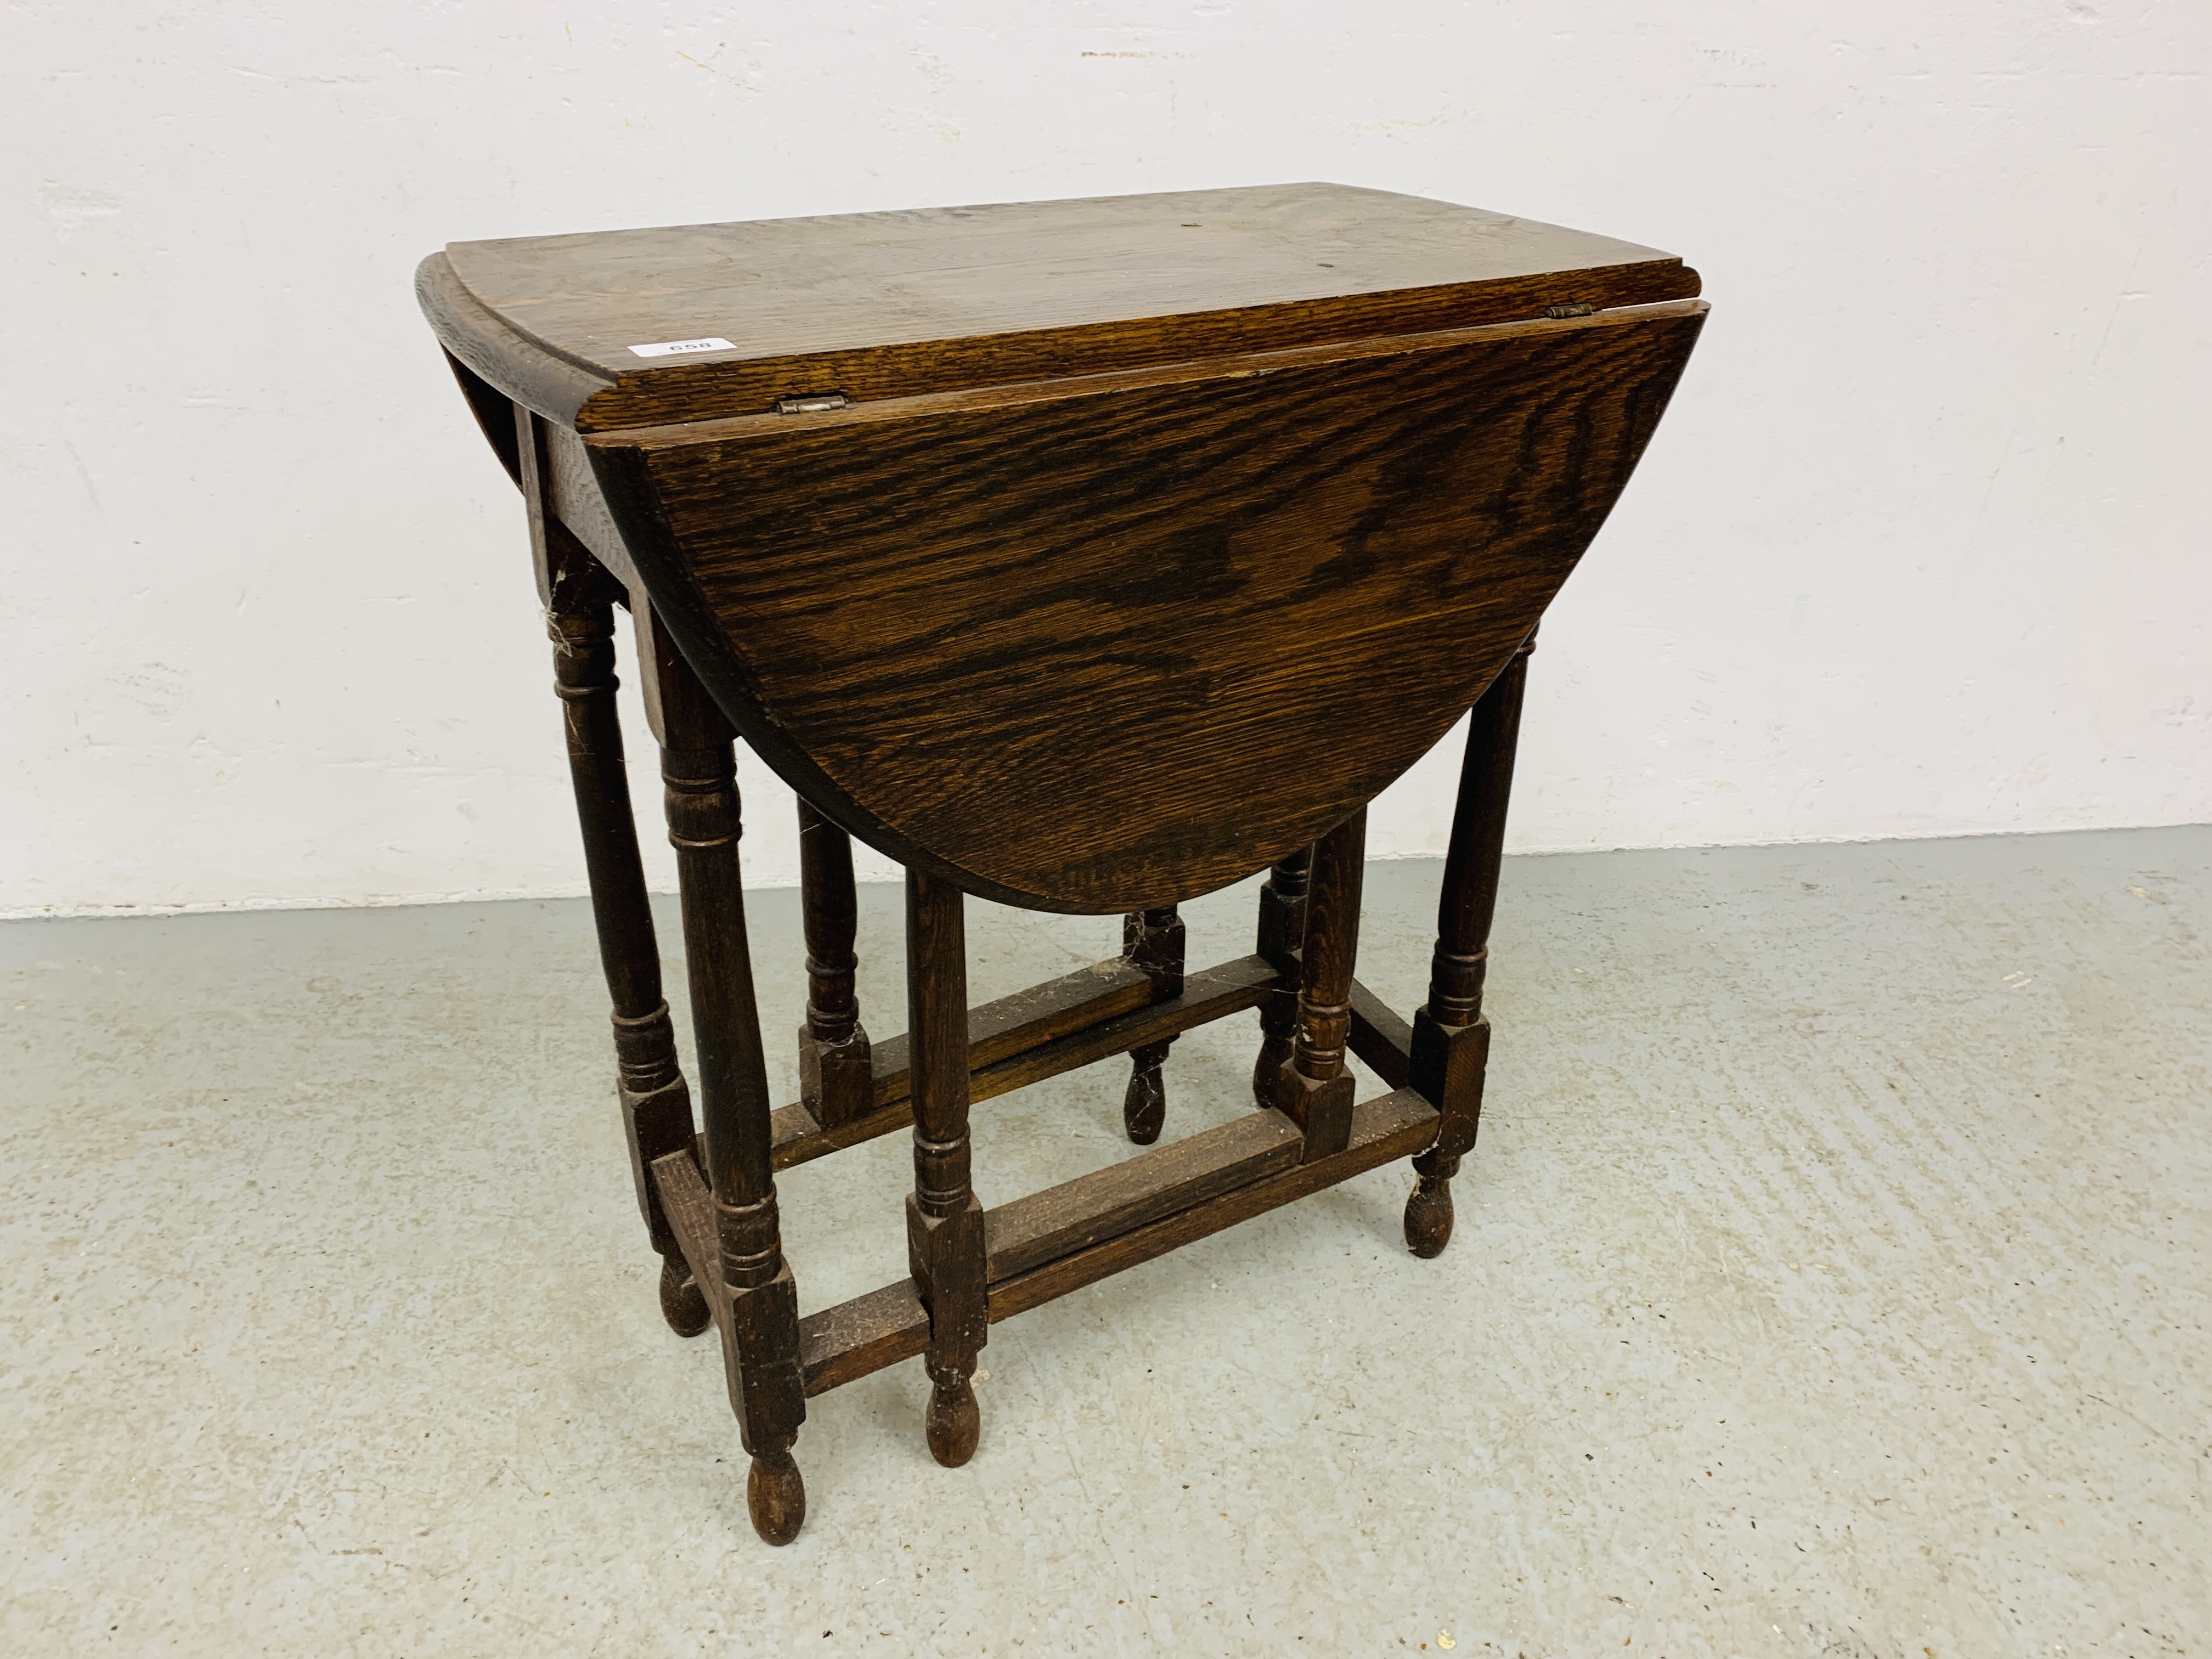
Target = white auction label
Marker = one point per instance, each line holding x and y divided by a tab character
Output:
679	348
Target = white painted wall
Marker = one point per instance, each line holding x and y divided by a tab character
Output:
1920	550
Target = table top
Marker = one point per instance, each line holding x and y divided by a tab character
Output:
873	305
1149	535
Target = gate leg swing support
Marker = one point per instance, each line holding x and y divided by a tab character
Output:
712	1197
1451	1035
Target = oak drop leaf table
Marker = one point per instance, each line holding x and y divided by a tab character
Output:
1088	557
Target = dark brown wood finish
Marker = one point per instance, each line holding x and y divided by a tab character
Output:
1121	1197
836	1068
1083	556
1282	936
1380	1037
1152	940
1015	1025
1451	1036
884	305
856	1339
1230	988
580	597
1029	1034
906	605
1313	1085
1144	1103
1283	911
853	1340
760	1344
944	1218
505	427
1382	1130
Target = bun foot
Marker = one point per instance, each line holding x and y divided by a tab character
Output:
682	1304
777	1497
1429	1217
1145	1107
955	1422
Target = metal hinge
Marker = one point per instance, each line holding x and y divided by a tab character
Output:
812	402
1578	310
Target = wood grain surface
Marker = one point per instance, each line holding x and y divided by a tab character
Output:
690	1207
1389	1127
1046	1226
1085	556
1380	1037
882	305
1076	1036
844	1343
975	628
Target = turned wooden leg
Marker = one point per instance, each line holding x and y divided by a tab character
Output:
1282	936
579	598
1313	1086
944	1220
760	1340
837	1070
1451	1036
1153	941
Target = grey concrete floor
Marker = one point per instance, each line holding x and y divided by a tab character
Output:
1830	1279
